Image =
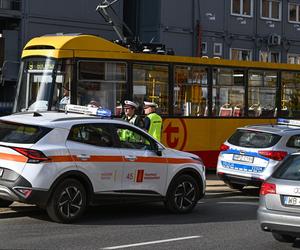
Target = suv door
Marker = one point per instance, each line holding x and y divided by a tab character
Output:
93	148
144	169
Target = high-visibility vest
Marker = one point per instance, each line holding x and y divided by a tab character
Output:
155	126
126	134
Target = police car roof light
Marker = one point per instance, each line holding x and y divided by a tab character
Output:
284	121
95	111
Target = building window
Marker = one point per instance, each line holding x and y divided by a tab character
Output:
241	7
218	49
204	48
271	9
293	58
240	54
271	56
294	12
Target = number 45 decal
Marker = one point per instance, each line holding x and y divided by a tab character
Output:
138	176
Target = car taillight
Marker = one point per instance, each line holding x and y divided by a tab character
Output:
34	156
274	155
267	188
224	147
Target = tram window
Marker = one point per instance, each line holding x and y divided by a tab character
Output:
150	83
102	83
101	71
262	93
228	92
290	99
190	91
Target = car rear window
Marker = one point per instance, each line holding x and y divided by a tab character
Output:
253	139
289	169
21	133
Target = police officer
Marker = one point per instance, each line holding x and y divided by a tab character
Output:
130	114
153	122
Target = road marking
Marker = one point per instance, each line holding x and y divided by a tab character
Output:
238	202
153	242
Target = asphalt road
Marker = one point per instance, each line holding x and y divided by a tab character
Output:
225	219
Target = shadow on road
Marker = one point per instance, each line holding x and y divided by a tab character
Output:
207	211
231	205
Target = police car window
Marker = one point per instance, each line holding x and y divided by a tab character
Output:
253	139
289	169
294	142
21	133
130	138
94	134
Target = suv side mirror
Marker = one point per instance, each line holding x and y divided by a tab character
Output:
158	150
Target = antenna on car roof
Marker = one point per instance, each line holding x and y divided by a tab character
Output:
37	114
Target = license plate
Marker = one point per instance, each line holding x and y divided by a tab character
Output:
291	201
1	171
244	158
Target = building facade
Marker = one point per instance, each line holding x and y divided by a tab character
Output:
261	30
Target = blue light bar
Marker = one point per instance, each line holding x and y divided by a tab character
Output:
103	113
288	122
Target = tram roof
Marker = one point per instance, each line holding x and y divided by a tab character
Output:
90	46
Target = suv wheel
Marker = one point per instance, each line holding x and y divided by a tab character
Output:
283	237
182	195
5	203
67	202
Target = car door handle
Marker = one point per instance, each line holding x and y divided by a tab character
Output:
83	157
130	157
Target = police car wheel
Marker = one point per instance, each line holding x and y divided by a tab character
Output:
67	202
182	195
5	203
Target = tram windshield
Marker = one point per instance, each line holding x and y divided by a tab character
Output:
44	84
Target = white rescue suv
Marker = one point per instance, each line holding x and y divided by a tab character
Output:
64	162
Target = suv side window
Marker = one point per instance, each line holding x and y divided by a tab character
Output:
294	142
94	134
290	169
131	138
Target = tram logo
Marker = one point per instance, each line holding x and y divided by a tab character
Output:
175	133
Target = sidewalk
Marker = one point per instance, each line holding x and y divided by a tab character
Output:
216	187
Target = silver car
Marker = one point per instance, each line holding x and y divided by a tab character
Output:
253	153
279	208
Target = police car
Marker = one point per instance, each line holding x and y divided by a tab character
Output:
252	153
64	162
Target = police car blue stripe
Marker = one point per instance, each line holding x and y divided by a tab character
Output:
242	167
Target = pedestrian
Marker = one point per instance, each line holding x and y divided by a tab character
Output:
130	115
152	121
65	99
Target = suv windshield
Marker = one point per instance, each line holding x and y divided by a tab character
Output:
253	139
289	169
21	133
